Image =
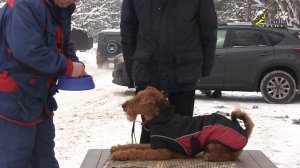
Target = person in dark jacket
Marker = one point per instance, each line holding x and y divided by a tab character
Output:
34	51
169	44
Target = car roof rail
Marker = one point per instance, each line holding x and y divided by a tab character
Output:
222	24
240	24
235	24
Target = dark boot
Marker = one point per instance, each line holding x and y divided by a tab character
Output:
216	94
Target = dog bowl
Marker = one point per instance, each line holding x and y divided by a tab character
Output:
76	84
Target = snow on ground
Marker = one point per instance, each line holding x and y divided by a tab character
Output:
94	119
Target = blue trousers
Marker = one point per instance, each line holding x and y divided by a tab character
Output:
27	146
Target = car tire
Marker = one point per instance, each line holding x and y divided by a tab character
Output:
106	65
99	66
278	87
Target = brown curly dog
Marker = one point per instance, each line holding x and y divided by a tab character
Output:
175	136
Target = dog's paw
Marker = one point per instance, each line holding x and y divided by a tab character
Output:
119	155
114	149
208	157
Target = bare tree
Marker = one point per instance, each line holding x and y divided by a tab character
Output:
292	8
246	9
94	16
237	10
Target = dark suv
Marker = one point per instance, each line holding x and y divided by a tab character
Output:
109	46
249	58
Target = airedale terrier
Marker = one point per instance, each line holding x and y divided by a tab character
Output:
175	136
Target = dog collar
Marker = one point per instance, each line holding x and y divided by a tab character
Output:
165	114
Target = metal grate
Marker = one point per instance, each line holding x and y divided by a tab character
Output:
174	163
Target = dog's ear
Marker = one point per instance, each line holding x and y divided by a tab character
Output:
148	98
154	97
151	88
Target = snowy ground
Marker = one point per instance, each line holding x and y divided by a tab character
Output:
94	119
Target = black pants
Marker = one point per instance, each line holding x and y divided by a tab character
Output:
184	105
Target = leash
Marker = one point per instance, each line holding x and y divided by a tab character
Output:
133	133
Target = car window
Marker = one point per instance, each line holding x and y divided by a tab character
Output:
274	37
246	38
221	38
108	38
261	40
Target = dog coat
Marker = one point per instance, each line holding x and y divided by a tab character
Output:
189	135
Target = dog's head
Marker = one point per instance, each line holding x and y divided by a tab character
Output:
146	103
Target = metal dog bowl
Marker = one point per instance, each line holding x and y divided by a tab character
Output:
76	84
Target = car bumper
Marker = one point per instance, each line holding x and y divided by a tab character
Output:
119	75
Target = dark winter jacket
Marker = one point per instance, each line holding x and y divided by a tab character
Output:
168	44
34	50
189	135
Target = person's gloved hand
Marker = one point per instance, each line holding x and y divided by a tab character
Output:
78	69
51	102
130	83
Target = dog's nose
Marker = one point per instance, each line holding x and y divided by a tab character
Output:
123	106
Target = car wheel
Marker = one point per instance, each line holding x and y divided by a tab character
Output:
278	87
106	65
99	66
102	62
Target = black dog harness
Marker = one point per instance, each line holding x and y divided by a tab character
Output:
189	135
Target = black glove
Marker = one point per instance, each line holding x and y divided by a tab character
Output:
51	102
130	83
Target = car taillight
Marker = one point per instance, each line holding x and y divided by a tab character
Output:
98	53
297	50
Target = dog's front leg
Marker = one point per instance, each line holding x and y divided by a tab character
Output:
129	146
147	154
178	156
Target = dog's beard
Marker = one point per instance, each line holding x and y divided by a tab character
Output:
131	116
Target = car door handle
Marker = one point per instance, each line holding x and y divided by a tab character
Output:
265	54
